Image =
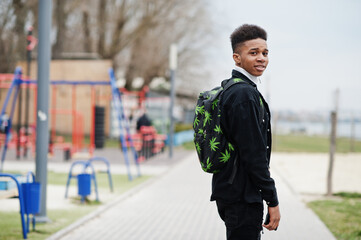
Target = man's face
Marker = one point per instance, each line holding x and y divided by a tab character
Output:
252	56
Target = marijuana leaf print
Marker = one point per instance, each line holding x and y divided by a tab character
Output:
218	129
198	148
236	80
207	118
215	103
196	122
225	156
199	110
213	144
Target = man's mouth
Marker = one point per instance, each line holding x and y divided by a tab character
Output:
260	67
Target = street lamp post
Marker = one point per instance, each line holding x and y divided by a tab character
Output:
42	131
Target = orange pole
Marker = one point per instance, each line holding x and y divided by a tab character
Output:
35	107
53	115
33	138
74	149
76	130
92	130
81	130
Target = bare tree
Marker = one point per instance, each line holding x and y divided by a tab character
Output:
63	9
101	27
134	34
13	17
60	20
86	29
20	11
6	47
182	22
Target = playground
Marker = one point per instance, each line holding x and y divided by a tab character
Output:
77	108
92	109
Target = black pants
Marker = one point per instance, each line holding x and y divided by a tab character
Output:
243	220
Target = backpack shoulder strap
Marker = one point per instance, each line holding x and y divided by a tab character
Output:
230	82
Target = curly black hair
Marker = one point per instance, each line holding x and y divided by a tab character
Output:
246	32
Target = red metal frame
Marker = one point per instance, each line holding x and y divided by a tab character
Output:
77	124
141	94
77	131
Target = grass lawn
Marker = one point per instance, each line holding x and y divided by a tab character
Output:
120	181
311	144
10	224
342	216
189	146
304	143
109	142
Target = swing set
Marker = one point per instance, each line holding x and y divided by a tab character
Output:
10	138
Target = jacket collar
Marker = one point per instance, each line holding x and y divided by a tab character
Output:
236	74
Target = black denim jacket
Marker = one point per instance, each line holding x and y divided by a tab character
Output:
246	123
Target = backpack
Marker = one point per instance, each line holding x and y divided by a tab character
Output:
212	146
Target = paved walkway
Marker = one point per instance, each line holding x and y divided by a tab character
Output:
176	205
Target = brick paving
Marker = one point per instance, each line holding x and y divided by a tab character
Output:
176	205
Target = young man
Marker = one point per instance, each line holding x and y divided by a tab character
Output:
246	122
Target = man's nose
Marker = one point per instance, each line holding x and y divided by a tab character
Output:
261	58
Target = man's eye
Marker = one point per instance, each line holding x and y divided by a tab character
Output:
253	53
265	54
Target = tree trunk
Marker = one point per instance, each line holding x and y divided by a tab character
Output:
117	43
87	38
60	19
7	46
20	13
101	27
332	152
133	69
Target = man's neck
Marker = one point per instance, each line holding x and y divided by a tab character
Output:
247	74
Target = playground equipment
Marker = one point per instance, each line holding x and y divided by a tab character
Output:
126	136
23	137
148	142
123	124
11	139
84	178
29	200
77	117
107	171
5	120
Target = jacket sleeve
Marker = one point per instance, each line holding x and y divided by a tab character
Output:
247	135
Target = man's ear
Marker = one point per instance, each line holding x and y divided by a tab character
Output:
237	58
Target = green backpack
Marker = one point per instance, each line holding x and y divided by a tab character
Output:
213	148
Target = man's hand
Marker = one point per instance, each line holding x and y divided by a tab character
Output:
275	217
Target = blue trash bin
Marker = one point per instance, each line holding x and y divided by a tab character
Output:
84	186
31	195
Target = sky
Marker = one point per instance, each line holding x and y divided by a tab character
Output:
315	48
